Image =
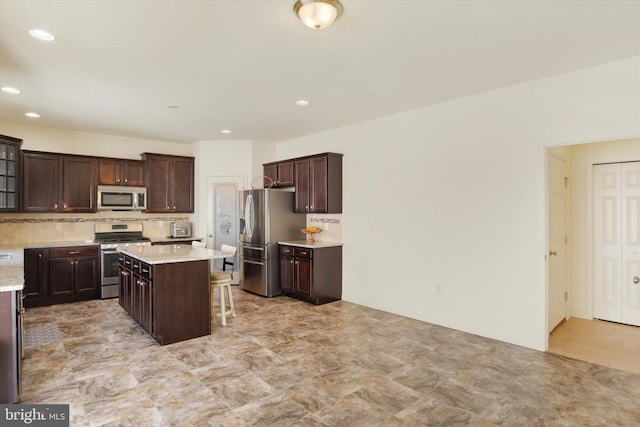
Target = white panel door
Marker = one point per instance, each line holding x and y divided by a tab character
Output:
557	257
607	235
617	242
631	243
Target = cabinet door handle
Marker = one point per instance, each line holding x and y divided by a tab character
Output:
74	252
39	255
636	279
145	270
126	180
124	273
55	206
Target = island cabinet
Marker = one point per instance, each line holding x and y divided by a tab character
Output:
318	184
312	275
278	174
9	173
170	183
58	182
60	275
121	172
169	300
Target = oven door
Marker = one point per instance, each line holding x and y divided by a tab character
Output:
110	273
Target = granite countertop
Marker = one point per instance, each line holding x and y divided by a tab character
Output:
166	254
60	244
12	261
314	245
11	267
174	239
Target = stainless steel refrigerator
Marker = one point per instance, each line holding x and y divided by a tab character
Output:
266	217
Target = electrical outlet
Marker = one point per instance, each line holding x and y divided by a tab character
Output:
58	226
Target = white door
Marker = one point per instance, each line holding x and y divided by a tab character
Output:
631	243
222	214
557	256
617	242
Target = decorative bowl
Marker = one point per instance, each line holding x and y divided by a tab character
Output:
310	232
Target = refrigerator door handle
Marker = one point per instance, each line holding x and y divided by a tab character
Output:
248	208
252	262
257	248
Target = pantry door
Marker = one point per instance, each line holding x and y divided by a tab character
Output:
617	242
557	256
631	243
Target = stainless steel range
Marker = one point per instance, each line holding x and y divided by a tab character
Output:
113	236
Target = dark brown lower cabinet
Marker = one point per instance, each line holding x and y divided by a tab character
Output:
61	275
170	300
311	274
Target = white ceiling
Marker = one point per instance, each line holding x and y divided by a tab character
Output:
116	66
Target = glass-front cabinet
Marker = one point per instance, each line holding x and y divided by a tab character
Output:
9	173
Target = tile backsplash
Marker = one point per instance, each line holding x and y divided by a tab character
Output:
331	225
33	228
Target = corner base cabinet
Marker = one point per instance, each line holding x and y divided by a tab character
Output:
169	300
311	274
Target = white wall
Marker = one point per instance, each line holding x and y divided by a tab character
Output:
583	157
218	159
444	214
89	144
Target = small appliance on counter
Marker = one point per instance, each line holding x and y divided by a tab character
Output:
180	229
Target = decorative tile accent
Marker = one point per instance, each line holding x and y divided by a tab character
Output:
42	335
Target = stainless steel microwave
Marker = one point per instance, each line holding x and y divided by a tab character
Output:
121	198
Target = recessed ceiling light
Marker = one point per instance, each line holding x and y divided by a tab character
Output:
302	102
42	35
10	89
225	131
32	115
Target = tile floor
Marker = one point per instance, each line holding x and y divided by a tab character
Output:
596	341
282	362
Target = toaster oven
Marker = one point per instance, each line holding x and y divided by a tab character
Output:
180	229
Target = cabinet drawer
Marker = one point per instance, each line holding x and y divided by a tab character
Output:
302	252
286	250
73	251
135	265
145	270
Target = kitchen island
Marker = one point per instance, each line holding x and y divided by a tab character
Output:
165	288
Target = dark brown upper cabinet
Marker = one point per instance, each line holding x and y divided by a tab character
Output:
121	172
318	183
170	183
58	182
280	174
9	173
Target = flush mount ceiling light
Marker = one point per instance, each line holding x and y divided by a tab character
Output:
12	90
302	102
227	131
42	35
32	115
317	14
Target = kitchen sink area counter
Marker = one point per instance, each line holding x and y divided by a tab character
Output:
11	268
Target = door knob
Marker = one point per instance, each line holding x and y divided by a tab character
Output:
553	253
636	279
